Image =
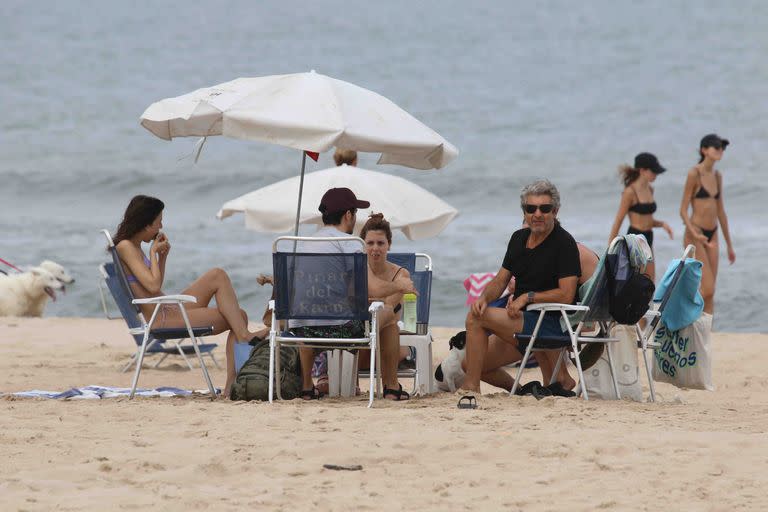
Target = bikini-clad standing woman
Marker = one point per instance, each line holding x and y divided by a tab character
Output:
637	202
703	194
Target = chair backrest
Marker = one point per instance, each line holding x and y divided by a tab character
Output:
689	251
320	286
117	282
422	280
597	294
407	260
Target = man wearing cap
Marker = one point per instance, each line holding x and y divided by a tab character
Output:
339	208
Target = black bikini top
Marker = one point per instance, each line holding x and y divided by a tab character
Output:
704	193
642	208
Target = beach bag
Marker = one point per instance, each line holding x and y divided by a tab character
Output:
597	379
684	356
252	381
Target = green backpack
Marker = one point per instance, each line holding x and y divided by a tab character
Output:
252	381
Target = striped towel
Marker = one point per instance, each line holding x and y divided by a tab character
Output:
475	284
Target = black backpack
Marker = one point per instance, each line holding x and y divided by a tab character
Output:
629	291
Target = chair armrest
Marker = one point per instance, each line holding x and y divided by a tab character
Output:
375	306
554	306
166	299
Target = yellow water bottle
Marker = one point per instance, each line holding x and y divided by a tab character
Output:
409	312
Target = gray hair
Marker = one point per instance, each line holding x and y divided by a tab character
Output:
540	188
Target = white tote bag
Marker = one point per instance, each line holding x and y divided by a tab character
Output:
624	352
685	356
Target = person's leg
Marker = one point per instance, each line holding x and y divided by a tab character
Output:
707	287
713	255
389	341
495	320
547	360
307	357
216	283
500	353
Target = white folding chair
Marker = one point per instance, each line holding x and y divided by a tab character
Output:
646	333
322	287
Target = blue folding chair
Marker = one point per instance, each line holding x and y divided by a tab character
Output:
421	340
324	287
148	340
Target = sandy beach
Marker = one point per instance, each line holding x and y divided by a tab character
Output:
692	450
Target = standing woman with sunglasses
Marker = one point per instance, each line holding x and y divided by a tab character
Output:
703	193
637	202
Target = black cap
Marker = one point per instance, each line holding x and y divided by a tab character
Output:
340	200
713	141
650	162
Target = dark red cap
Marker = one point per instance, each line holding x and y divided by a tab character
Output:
339	200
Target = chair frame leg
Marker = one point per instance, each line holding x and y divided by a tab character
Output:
527	355
193	338
142	351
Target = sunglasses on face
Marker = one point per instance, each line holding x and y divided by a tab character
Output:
543	208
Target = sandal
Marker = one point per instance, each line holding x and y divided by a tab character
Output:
528	388
557	389
399	394
467	402
310	394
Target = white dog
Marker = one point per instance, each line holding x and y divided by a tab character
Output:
26	294
57	271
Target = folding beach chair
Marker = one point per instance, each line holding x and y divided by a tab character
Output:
322	287
593	310
421	340
652	319
148	340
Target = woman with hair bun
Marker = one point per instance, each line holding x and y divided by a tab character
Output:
377	235
142	222
637	202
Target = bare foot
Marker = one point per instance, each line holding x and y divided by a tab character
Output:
226	392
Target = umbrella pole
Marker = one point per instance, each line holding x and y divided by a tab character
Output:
301	190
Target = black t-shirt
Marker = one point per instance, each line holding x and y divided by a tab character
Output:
540	268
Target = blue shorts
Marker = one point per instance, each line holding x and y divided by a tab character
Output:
550	325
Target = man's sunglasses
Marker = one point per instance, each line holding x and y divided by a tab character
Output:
544	208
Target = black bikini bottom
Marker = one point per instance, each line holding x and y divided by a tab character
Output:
709	233
648	234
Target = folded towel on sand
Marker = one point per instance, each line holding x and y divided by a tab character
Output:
98	392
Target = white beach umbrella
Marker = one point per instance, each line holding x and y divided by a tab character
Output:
305	111
408	207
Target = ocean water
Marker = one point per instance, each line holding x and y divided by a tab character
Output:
553	89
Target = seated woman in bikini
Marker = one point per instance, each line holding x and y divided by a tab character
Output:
377	235
142	222
637	202
703	194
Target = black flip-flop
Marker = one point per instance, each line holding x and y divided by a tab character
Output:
467	402
528	388
557	389
399	394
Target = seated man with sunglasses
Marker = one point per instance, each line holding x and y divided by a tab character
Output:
544	260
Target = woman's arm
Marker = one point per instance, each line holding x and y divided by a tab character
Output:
397	298
381	289
150	278
626	202
685	203
723	219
